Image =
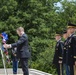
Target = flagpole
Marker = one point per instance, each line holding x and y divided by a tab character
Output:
3	61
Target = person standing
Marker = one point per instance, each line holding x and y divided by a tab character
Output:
14	60
22	49
65	66
57	60
71	51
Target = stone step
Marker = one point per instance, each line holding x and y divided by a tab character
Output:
13	74
31	71
16	74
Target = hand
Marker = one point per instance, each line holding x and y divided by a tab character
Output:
60	62
6	45
75	63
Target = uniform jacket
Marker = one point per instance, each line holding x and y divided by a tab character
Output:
71	51
58	52
64	51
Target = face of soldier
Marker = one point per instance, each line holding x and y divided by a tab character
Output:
58	38
65	36
70	31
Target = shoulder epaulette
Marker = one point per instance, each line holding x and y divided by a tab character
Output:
61	41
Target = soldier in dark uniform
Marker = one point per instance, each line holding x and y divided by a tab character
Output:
65	66
57	61
71	48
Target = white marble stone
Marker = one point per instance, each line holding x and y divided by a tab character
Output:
31	72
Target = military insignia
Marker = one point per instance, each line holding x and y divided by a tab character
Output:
60	57
64	48
74	56
69	46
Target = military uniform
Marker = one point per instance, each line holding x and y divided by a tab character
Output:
66	67
58	55
71	51
64	47
64	51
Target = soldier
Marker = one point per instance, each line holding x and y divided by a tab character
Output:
57	61
65	66
71	48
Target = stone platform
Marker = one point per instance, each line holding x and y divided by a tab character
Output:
31	71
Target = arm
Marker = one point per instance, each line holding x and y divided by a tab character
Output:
74	48
20	41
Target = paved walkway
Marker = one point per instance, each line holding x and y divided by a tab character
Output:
31	71
12	74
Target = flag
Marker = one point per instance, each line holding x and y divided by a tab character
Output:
5	36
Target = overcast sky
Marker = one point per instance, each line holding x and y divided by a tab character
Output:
58	4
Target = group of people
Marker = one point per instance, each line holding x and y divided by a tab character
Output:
65	52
